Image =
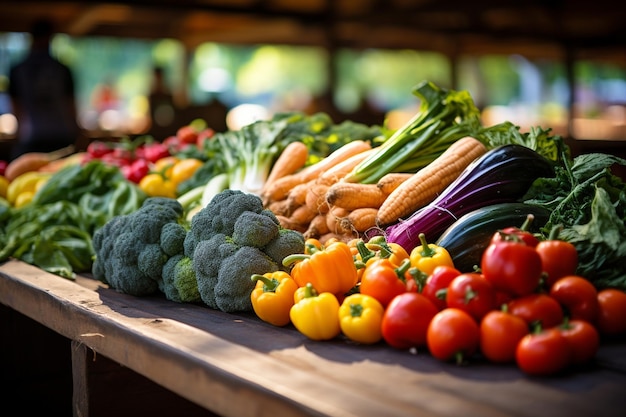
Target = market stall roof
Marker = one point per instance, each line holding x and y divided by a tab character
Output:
557	29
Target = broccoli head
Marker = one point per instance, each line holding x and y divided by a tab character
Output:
234	286
231	239
151	259
178	282
220	215
128	251
103	241
207	261
172	238
255	229
122	271
288	242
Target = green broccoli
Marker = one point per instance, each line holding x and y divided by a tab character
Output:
172	238
102	241
151	259
128	252
286	243
207	261
266	228
178	282
234	286
220	215
121	269
227	243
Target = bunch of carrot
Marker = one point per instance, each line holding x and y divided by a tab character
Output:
322	202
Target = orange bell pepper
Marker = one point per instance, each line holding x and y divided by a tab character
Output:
329	269
273	297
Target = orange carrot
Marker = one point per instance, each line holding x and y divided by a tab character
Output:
281	187
317	227
316	198
391	181
353	195
290	160
360	220
425	184
333	218
340	170
297	195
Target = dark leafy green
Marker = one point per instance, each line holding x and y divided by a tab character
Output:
590	202
54	231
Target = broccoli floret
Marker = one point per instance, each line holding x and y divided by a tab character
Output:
207	260
151	260
121	270
234	286
179	280
103	241
255	229
288	242
148	221
173	238
128	252
172	203
219	216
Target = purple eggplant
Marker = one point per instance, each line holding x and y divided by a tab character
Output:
502	175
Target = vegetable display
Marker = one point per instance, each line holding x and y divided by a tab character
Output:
514	254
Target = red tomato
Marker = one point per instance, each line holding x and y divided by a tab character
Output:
611	318
437	283
583	338
406	320
187	134
381	281
578	296
500	333
558	259
512	267
517	234
472	293
537	309
543	353
452	334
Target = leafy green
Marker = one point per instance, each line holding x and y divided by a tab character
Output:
54	231
51	236
537	138
590	202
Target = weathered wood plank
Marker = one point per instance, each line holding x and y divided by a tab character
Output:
236	365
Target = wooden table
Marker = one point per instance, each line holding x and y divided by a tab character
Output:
132	355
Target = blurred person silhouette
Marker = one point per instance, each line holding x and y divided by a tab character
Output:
162	108
42	97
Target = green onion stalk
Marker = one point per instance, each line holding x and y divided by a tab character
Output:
444	117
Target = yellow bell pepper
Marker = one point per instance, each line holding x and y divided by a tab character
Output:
315	315
157	185
273	297
329	269
426	257
361	317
